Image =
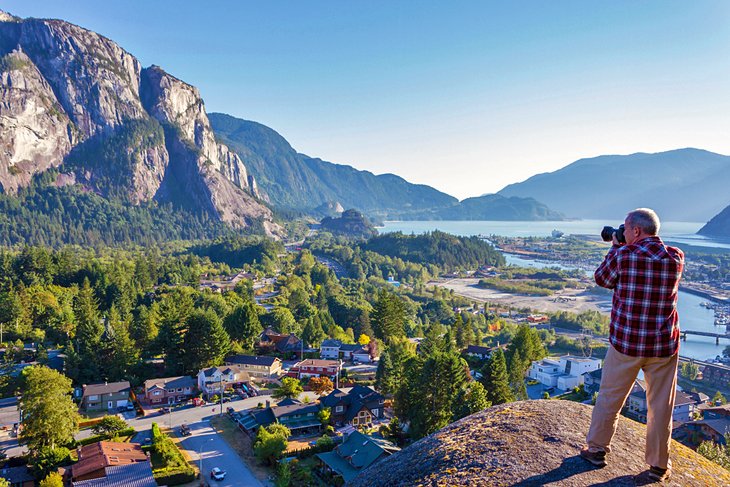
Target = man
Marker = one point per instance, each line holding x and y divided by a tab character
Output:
644	335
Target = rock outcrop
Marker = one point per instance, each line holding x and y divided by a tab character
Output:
530	443
35	132
72	97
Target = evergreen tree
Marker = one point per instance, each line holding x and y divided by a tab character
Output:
243	324
470	399
432	342
431	389
527	341
313	333
124	354
517	370
389	316
173	311
206	342
496	380
392	372
89	330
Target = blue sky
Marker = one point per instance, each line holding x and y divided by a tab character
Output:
465	96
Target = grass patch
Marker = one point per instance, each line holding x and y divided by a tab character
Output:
242	444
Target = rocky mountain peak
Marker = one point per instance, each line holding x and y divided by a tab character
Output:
75	98
531	443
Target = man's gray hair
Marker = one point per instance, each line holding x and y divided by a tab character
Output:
646	219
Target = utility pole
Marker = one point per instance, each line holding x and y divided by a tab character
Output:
220	381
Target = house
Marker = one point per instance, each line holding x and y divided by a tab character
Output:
215	380
707	430
169	390
363	354
300	418
592	381
355	454
716	375
95	460
257	366
359	406
564	372
348	350
478	352
684	407
316	368
106	396
134	474
330	349
18	476
717	412
270	341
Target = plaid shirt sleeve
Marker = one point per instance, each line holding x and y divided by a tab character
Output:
607	273
645	278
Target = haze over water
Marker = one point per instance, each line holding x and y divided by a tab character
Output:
692	316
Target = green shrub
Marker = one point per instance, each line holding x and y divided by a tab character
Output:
174	476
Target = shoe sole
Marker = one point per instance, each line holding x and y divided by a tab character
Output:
594	461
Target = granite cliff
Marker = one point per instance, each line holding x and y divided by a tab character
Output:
530	443
75	100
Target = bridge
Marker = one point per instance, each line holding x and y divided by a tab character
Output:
705	334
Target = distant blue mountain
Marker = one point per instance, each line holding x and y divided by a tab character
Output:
681	185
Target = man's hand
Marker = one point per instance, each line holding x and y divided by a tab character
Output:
615	240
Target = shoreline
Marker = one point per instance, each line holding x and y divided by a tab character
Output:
573	300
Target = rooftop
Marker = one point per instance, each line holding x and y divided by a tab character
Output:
251	360
106	388
106	454
169	382
132	475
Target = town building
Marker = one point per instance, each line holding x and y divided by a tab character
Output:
108	464
358	406
330	349
685	406
169	390
288	345
18	476
257	366
478	352
316	368
215	380
106	396
353	455
299	417
564	372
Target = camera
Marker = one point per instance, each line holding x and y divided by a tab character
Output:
607	234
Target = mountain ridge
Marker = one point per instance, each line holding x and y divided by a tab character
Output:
67	92
676	183
273	160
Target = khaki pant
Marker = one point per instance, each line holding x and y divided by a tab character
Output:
617	379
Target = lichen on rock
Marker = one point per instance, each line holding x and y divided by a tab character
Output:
530	443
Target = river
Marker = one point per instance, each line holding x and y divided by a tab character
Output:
692	316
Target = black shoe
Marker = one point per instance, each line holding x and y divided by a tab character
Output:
597	458
659	474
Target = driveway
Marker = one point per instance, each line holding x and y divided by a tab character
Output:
215	452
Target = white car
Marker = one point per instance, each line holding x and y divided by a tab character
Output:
217	473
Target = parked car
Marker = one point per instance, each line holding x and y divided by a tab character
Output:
185	430
130	407
198	401
165	410
230	410
217	473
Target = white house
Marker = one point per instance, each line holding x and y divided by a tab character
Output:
330	349
564	372
217	379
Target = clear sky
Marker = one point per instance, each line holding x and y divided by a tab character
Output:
465	96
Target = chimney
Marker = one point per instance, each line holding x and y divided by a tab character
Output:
106	383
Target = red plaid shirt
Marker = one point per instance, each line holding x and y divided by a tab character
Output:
645	279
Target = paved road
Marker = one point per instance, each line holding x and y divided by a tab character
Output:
217	453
